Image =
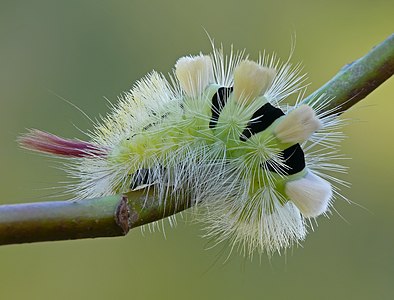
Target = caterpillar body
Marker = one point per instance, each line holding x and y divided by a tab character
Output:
218	131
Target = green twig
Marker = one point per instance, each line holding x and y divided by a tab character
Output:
116	215
58	220
77	219
359	78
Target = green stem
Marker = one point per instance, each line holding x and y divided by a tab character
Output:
77	219
359	78
116	215
59	220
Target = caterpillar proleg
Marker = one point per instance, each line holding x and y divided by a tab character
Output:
220	131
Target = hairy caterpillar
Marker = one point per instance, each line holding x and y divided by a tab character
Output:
218	131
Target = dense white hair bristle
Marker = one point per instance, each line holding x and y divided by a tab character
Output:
251	80
311	194
298	125
194	73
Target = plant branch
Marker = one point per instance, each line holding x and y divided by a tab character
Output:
116	215
77	219
359	78
58	220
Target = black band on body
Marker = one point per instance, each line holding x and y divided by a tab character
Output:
261	120
294	159
218	102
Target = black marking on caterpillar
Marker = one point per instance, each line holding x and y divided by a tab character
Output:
262	119
218	102
293	157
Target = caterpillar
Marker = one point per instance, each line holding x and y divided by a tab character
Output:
218	129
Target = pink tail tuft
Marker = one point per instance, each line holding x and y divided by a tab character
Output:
41	141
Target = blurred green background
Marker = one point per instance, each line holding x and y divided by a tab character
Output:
86	51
